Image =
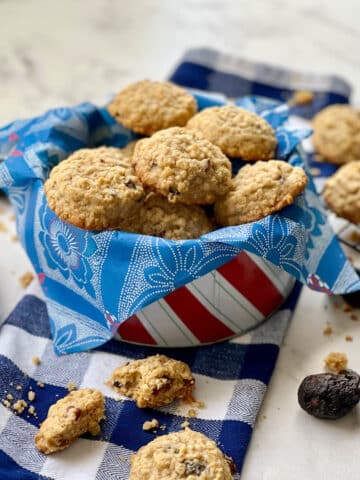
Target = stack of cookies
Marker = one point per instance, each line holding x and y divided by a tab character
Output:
160	184
337	140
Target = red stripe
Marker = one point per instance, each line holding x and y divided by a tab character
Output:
246	277
202	323
133	330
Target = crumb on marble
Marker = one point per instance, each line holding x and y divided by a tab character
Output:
348	338
347	308
15	238
354	317
36	360
3	227
327	329
26	279
354	236
336	361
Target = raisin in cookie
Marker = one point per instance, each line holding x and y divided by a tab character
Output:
181	455
95	189
176	221
147	106
72	416
153	381
182	166
342	192
337	134
236	131
259	190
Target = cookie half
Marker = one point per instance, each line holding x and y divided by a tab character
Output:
175	221
342	192
182	166
95	189
259	190
72	416
153	381
337	134
180	455
236	131
146	106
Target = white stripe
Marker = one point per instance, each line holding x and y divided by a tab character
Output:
20	346
160	317
79	462
282	280
4	417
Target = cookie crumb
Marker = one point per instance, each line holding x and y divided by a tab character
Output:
328	329
9	396
36	360
150	426
354	317
302	97
31	395
15	238
26	279
40	384
18	387
71	386
349	338
163	427
347	308
3	227
6	403
19	406
336	362
12	217
355	236
192	413
185	424
31	410
315	172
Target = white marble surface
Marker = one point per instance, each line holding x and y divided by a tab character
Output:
61	53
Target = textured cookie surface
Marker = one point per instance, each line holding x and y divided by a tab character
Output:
72	416
148	106
153	381
182	166
337	134
236	131
175	221
180	455
95	189
342	192
259	190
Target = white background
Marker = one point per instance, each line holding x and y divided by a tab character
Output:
64	52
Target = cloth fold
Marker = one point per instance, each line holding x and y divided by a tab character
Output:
231	377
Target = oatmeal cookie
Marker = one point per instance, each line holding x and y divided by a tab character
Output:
236	131
153	381
146	106
72	416
185	454
95	189
176	221
128	150
259	190
337	134
342	192
182	166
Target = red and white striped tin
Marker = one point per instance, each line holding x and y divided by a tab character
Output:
222	304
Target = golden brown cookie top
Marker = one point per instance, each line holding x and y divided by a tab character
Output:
77	413
153	381
259	190
175	221
149	106
183	166
95	189
337	134
342	192
236	131
180	455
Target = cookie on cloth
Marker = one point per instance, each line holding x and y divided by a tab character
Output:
336	135
181	455
95	189
236	131
342	192
153	381
258	190
175	221
77	413
183	166
147	106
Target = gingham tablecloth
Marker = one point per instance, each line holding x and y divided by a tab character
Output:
231	377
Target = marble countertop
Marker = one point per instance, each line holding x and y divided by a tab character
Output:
62	53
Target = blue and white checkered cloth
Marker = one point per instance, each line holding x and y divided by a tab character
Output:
231	377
